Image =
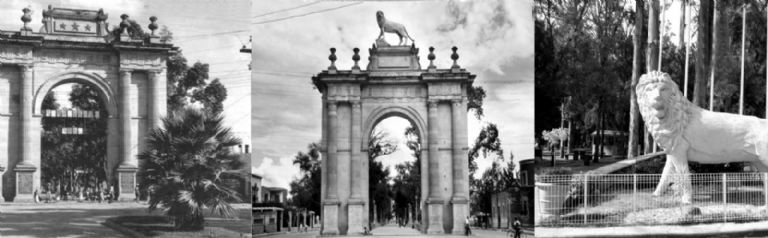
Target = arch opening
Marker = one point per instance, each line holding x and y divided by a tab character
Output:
394	155
73	156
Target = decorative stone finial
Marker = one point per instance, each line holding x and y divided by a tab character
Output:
124	24
454	57
356	57
431	57
153	25
101	16
26	18
332	58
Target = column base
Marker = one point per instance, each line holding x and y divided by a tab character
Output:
356	226
460	214
435	217
330	218
126	183
25	185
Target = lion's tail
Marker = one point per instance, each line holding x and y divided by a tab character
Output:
408	35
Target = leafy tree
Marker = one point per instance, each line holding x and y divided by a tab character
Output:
188	85
305	191
475	96
183	162
487	142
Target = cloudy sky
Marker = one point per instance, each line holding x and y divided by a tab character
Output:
291	42
210	31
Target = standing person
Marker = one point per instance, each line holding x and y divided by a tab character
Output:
517	227
466	227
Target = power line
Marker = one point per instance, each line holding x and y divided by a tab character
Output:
306	14
287	9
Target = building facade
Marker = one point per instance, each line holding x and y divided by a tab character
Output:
122	62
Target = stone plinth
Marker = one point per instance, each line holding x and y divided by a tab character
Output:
460	213
25	182
435	217
394	58
330	218
126	180
355	218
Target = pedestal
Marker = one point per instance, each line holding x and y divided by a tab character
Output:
435	217
25	183
356	225
460	214
330	218
126	180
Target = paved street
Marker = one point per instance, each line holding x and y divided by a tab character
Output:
61	219
73	219
394	231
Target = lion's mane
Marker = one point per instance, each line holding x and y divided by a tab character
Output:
678	110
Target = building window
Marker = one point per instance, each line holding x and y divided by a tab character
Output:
524	210
524	178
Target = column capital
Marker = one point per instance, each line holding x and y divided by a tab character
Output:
456	101
356	104
332	104
432	103
126	72
154	72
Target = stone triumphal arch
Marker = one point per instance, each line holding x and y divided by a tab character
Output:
394	84
126	67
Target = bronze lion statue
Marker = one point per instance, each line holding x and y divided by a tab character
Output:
687	132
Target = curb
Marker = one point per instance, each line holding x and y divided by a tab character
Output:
125	230
729	229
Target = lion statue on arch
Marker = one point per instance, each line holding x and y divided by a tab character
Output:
386	26
687	132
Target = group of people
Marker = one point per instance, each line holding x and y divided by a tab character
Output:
516	227
51	194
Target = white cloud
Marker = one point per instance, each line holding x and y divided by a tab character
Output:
276	172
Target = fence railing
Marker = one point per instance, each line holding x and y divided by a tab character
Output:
627	199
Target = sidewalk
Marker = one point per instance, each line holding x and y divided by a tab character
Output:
718	229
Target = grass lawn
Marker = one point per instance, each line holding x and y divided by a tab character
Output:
215	226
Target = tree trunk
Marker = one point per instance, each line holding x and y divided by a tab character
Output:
634	113
716	10
601	150
652	52
703	53
683	6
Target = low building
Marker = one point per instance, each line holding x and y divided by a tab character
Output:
517	203
615	142
268	206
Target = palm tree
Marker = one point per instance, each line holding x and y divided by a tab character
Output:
182	166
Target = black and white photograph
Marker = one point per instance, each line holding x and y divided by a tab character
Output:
125	118
393	118
650	118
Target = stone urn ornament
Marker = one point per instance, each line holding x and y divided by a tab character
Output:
386	26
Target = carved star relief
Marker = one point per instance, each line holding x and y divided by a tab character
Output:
63	26
87	27
75	26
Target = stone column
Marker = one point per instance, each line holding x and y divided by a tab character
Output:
459	199
324	155
25	169
331	203
356	203
126	171
158	102
434	201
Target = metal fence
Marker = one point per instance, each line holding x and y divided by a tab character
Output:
627	199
